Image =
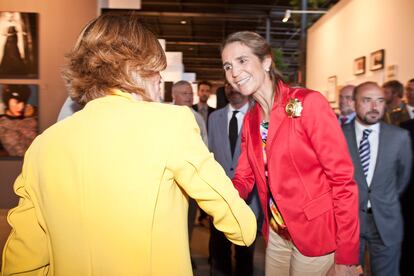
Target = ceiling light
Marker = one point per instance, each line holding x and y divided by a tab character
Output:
288	13
287	16
183	22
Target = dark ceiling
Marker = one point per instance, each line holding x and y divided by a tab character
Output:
197	28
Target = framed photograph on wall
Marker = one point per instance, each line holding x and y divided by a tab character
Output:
331	90
19	41
377	60
391	72
18	118
359	65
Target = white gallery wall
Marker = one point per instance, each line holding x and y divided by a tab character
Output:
355	28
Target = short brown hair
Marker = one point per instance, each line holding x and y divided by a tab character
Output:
396	87
112	51
258	46
204	82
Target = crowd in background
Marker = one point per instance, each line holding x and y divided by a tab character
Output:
324	188
390	227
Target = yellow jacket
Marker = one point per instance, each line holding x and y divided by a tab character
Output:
104	192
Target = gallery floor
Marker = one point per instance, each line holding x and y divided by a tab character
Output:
199	248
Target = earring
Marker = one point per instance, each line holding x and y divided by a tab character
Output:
267	70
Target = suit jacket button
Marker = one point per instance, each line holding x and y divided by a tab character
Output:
231	169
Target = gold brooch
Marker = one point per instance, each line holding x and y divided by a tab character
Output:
294	108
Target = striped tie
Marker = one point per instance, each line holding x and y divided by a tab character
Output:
364	151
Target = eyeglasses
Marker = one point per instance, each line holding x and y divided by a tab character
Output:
186	94
370	100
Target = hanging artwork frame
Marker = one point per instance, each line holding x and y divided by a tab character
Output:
377	60
19	44
359	66
18	118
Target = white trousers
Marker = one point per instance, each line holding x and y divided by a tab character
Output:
284	259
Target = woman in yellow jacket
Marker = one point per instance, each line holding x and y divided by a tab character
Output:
105	191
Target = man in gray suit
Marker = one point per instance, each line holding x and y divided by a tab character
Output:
224	141
381	154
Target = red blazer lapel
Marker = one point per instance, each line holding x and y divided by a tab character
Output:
277	115
256	139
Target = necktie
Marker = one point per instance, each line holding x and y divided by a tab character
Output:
343	120
364	151
233	132
204	112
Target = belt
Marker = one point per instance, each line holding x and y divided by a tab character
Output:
282	232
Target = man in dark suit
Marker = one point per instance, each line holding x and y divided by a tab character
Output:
204	92
224	141
381	154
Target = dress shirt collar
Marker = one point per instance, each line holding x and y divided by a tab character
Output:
348	117
242	109
359	128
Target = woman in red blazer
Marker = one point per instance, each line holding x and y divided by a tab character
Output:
294	150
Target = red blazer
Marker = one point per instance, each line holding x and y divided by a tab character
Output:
310	175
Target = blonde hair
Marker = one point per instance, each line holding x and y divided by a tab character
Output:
112	51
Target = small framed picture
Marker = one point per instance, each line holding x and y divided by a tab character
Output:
359	65
331	89
392	72
18	118
377	60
